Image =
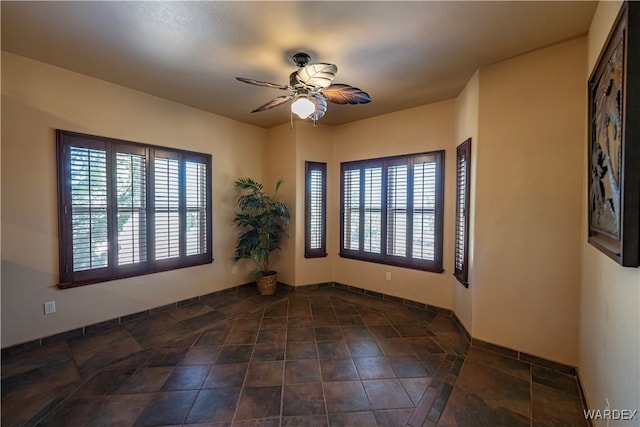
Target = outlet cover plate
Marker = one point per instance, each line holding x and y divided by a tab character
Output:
49	307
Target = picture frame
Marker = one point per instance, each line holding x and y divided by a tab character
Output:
614	142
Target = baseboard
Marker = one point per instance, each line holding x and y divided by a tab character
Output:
357	290
115	321
474	342
461	327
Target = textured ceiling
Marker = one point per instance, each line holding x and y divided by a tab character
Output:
404	54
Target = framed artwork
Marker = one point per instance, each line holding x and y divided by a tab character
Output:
614	142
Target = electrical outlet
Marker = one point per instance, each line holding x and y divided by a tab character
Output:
387	275
49	307
234	269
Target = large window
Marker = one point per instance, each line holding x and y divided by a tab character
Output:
128	209
315	236
391	210
463	173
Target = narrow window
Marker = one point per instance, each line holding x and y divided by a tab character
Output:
351	209
129	209
461	257
391	210
315	210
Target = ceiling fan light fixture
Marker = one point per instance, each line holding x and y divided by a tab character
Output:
310	87
303	107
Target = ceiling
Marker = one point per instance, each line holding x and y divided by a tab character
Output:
404	54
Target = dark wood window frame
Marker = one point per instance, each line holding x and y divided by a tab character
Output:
315	246
378	243
463	200
188	211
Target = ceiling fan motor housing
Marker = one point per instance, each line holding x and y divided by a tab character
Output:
301	59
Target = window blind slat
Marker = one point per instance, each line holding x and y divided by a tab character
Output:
460	212
351	219
461	236
196	195
315	209
424	203
372	210
167	202
397	188
131	206
89	228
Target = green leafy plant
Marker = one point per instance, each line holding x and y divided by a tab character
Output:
262	221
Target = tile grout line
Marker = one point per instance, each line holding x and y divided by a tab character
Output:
324	394
284	363
530	396
246	374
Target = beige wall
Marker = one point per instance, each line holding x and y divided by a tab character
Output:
525	117
280	158
289	147
426	128
528	195
314	144
609	362
534	279
467	104
36	100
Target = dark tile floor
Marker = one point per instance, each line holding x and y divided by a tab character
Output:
312	357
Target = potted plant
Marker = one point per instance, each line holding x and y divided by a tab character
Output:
262	222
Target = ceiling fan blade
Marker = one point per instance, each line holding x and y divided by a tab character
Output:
321	107
319	74
273	103
261	83
344	94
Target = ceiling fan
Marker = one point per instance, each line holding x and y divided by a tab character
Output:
311	87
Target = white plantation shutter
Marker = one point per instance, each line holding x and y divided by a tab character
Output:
315	209
167	205
463	159
397	200
461	208
424	210
351	209
400	202
196	224
88	188
131	197
128	209
372	210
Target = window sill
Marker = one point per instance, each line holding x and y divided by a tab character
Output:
92	281
434	268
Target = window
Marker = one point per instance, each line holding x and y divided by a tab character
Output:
315	236
127	209
463	164
391	210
